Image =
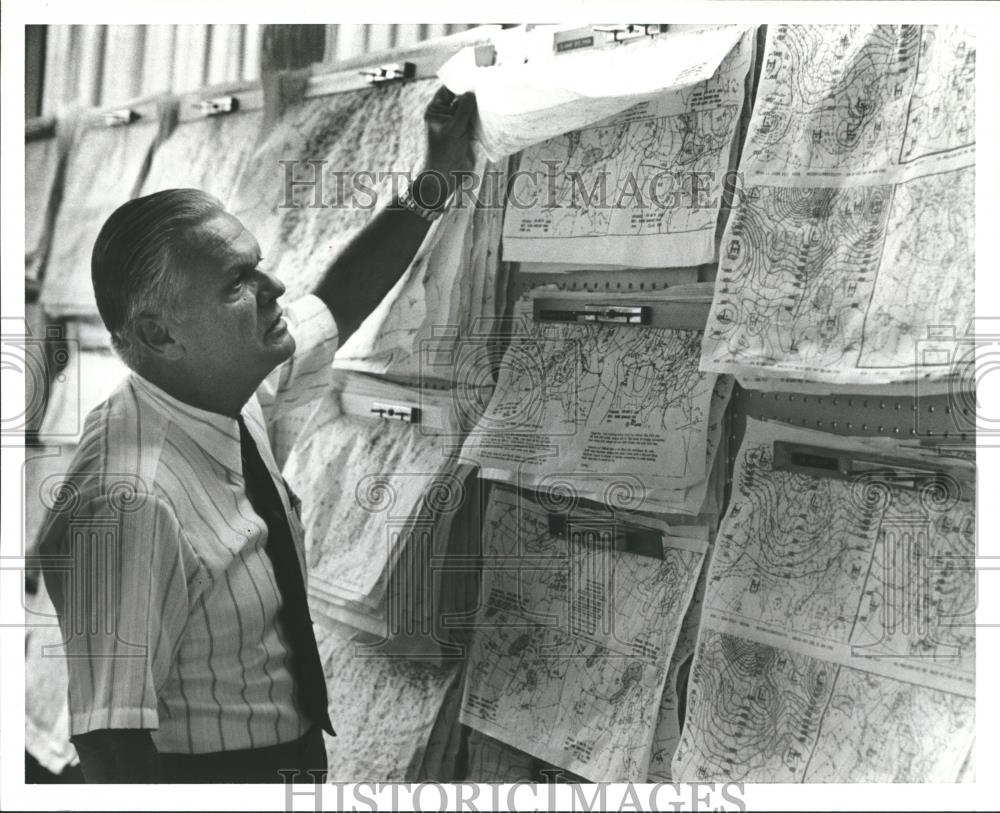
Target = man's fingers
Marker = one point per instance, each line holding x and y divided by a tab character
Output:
449	129
442	102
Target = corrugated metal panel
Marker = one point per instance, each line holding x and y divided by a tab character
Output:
123	51
91	64
379	37
348	41
97	65
251	52
407	34
158	59
55	93
189	60
226	54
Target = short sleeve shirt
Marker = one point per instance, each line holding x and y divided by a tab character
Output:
157	567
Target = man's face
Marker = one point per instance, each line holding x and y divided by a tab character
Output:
228	320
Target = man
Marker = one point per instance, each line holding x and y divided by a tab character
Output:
181	593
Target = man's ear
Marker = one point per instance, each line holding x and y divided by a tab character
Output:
155	338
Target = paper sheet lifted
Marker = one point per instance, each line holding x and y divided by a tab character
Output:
837	634
321	175
642	189
849	257
573	638
523	103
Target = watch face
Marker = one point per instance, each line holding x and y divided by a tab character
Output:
409	202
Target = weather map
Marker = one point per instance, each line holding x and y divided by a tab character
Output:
862	101
89	195
858	180
573	640
919	599
835	610
930	236
599	406
877	729
369	741
793	551
205	153
759	713
644	187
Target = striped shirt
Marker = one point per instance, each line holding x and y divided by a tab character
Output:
164	590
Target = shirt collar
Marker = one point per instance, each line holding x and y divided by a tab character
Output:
218	435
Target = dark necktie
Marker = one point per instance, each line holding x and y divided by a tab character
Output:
294	613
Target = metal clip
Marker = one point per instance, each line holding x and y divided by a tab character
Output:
818	461
219	106
120	118
406	414
619	535
631	31
389	73
597	314
614	314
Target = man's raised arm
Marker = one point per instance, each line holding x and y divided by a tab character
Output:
360	277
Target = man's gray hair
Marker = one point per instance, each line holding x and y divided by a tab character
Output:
134	258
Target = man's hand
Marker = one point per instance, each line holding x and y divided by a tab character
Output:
377	256
450	120
118	756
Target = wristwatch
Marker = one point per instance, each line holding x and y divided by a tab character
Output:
408	202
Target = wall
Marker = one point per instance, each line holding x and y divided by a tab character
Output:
99	65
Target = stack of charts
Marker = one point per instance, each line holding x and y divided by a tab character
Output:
381	496
394	717
850	257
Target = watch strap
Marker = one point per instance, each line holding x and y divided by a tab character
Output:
408	202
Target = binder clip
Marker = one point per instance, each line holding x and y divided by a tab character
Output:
631	31
396	412
120	118
390	73
218	106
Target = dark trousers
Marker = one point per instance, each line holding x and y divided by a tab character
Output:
302	760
